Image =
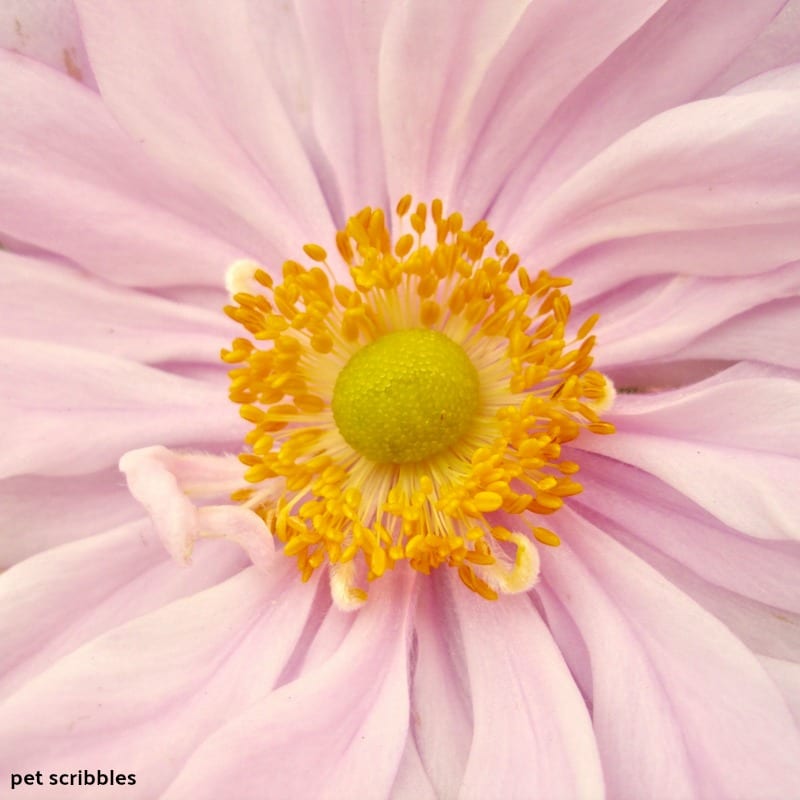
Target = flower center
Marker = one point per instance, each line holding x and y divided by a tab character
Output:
411	399
406	396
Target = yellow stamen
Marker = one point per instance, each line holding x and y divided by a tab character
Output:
418	413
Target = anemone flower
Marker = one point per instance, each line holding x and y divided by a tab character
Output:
505	504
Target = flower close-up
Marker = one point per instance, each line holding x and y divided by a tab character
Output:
401	399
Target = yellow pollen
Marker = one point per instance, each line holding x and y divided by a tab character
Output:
406	396
419	413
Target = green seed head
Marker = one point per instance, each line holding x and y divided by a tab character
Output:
406	396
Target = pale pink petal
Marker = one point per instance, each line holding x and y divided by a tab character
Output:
781	79
568	637
164	483
47	31
122	574
729	443
69	411
755	248
764	629
327	631
748	584
348	718
526	707
279	41
644	323
646	515
786	675
663	64
342	50
37	512
767	333
437	104
44	302
168	680
167	76
412	783
67	170
704	410
711	188
778	45
660	376
680	706
441	721
426	86
211	298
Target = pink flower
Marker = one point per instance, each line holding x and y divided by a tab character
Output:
637	147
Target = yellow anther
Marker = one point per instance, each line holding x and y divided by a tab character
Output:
587	326
488	501
430	312
418	223
315	252
546	536
404	245
403	205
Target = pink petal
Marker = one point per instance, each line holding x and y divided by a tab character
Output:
777	46
657	376
342	49
64	162
43	301
748	584
167	75
441	721
767	333
163	482
645	323
709	188
327	630
718	250
279	40
786	675
679	705
568	637
211	298
168	679
637	509
122	574
764	629
348	718
37	513
729	443
665	63
412	782
439	109
86	408
782	79
48	32
531	723
426	86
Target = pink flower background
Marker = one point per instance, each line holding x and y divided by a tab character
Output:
649	149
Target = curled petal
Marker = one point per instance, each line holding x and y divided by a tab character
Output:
512	577
345	593
162	481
